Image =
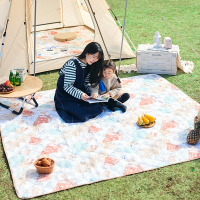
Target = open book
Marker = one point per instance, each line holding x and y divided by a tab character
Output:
98	99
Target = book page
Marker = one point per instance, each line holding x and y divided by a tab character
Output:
98	99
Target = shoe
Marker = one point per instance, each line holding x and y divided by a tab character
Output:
113	103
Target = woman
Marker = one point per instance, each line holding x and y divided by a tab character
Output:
72	86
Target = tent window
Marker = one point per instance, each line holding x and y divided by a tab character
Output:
48	12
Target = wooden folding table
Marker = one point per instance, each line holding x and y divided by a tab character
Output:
30	86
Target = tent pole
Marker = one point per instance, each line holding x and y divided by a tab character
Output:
122	37
99	29
34	36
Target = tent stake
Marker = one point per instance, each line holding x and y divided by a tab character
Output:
34	36
122	36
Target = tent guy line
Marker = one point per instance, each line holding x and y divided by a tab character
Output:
122	28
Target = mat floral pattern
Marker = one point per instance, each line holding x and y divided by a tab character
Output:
47	48
109	146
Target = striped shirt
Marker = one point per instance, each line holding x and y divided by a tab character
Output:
69	70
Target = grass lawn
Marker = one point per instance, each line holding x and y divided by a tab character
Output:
180	181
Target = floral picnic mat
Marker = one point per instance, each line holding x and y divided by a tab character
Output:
109	146
48	48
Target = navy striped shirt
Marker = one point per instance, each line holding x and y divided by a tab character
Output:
69	70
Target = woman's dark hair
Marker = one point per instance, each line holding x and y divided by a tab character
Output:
96	68
109	64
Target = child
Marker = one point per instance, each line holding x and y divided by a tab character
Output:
110	86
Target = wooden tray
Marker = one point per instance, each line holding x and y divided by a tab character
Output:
9	91
147	125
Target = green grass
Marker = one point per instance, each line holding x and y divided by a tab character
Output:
180	181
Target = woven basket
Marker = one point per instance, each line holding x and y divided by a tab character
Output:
44	170
193	137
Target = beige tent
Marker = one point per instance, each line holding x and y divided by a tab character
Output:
18	49
4	12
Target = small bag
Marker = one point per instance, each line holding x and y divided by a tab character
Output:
167	43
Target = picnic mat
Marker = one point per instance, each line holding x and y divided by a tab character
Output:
48	48
106	147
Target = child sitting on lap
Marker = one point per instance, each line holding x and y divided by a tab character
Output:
110	86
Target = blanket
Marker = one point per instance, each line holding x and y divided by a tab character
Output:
109	146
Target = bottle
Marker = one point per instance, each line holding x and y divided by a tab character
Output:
17	79
157	40
12	78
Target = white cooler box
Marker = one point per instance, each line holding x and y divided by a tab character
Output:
156	62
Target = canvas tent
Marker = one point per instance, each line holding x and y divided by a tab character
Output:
18	51
4	12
